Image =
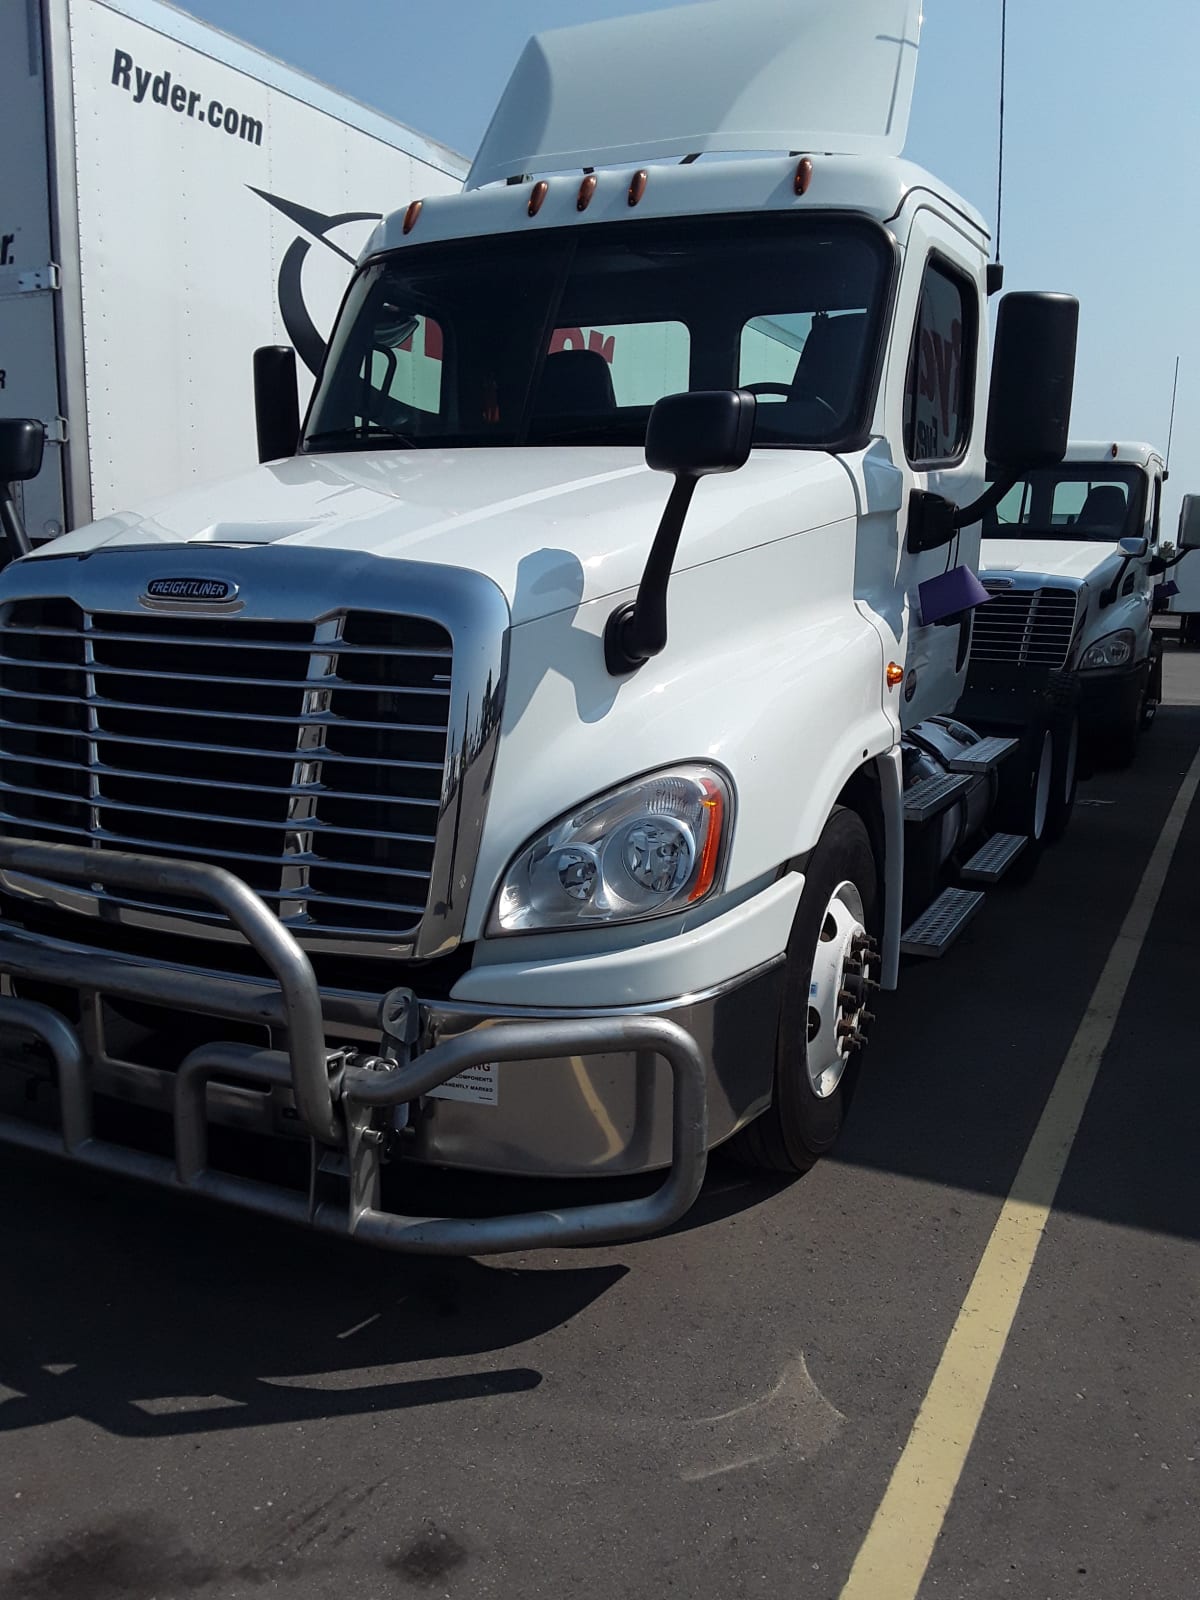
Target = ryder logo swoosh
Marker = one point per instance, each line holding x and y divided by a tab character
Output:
301	329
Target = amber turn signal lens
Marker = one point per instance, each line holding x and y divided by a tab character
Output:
714	804
895	675
411	215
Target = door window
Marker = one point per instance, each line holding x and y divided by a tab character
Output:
939	394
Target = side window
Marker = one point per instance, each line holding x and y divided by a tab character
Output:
1156	512
940	391
406	368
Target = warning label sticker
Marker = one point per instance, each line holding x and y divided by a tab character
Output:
479	1086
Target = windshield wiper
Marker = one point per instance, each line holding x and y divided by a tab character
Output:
358	438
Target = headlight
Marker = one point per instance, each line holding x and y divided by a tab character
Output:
643	850
1112	651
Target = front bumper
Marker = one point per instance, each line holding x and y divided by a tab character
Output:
621	1091
1110	698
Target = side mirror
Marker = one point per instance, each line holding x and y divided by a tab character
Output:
695	435
1189	523
276	402
22	441
22	444
692	436
1135	549
1033	381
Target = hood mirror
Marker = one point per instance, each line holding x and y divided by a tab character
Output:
22	444
693	436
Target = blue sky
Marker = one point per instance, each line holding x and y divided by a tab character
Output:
1102	186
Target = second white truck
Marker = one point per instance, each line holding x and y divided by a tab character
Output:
1071	556
539	762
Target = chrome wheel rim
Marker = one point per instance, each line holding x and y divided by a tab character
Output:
843	975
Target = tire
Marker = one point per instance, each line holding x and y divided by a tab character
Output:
1154	690
814	1071
1118	745
1026	793
1064	780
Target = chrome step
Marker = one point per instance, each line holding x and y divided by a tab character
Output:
931	795
936	929
992	861
985	755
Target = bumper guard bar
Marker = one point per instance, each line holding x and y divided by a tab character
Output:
338	1102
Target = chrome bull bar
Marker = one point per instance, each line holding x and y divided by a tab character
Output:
338	1102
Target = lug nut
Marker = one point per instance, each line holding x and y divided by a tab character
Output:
867	1019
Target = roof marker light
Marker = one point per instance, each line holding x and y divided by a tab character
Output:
411	215
804	175
586	190
538	197
637	187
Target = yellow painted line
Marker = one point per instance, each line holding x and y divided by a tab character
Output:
895	1555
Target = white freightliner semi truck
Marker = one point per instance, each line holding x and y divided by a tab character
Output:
410	797
1071	556
171	199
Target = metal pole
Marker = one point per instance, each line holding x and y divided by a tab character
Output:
1003	87
1171	430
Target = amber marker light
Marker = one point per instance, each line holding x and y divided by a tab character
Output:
895	675
411	215
538	197
637	186
710	854
804	176
586	190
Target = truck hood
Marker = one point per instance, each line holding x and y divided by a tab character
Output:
551	527
1082	561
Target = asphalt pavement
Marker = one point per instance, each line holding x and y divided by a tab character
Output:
194	1401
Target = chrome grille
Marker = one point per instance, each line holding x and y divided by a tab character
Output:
1030	627
307	758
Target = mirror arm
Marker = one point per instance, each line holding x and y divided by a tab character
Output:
638	630
1109	594
10	517
967	516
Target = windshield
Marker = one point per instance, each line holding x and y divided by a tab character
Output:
572	335
1078	500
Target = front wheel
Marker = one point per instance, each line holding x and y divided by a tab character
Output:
1064	780
832	967
1154	691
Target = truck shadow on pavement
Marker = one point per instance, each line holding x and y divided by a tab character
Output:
151	1316
148	1316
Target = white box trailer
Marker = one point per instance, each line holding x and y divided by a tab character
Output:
170	199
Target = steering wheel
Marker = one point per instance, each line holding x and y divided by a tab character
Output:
785	390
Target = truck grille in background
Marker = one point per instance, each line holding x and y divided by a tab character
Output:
308	759
1031	627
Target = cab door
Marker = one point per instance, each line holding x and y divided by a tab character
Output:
937	394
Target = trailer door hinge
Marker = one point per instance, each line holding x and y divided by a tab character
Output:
56	431
40	279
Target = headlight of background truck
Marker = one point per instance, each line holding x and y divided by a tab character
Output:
1114	650
643	850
